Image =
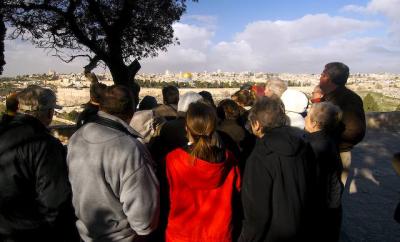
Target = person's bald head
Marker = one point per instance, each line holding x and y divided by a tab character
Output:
317	94
275	86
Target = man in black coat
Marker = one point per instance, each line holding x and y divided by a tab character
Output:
35	194
353	126
320	122
279	181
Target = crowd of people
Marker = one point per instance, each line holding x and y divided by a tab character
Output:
263	165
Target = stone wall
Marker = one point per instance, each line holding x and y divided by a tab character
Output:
385	120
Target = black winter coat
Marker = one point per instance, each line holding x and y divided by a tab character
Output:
35	194
329	168
279	187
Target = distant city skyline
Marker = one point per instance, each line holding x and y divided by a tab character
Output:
260	36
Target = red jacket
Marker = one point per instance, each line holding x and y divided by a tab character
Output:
201	198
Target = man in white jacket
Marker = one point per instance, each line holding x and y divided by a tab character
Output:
115	190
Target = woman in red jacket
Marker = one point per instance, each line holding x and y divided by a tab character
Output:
204	182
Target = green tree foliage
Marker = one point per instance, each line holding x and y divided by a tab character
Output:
72	116
370	105
116	33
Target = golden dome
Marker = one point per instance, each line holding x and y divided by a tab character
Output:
187	75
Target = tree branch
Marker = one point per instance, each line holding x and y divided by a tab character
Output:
96	10
134	67
125	15
92	64
71	58
70	18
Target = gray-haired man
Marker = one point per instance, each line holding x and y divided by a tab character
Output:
35	195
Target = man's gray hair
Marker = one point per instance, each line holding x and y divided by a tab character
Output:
277	86
35	100
269	112
186	99
326	115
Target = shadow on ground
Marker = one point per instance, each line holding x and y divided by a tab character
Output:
369	202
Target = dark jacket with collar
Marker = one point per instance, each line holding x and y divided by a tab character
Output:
233	129
278	189
353	126
329	168
35	192
167	111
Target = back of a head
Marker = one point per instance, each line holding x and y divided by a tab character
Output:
258	90
326	115
186	99
170	95
147	103
97	90
244	97
246	86
118	101
207	96
275	86
228	109
338	72
36	101
269	112
201	121
12	102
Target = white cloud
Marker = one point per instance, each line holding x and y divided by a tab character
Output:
355	8
192	52
23	58
299	45
388	8
307	28
207	21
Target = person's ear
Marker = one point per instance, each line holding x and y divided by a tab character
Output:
314	124
256	128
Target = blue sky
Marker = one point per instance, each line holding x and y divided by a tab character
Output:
269	36
233	15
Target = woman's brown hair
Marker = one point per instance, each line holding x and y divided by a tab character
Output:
244	97
201	121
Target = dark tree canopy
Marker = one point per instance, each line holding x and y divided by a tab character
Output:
115	32
2	36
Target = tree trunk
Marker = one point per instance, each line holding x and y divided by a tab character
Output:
122	75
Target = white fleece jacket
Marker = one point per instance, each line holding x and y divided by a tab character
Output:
115	190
